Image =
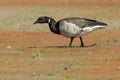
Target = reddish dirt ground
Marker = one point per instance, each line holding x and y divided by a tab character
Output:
63	3
99	62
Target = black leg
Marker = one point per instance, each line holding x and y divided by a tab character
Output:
71	42
82	44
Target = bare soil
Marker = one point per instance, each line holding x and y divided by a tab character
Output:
62	3
56	61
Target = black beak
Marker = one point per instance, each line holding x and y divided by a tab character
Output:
35	22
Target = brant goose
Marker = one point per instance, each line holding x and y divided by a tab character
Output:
72	27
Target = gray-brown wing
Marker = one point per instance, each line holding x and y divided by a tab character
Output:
83	22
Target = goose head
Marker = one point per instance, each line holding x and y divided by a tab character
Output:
43	19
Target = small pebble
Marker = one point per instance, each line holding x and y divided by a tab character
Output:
8	47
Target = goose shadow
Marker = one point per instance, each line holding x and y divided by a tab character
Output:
92	45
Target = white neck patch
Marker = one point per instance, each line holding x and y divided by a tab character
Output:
49	20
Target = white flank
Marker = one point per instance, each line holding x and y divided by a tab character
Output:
87	30
98	27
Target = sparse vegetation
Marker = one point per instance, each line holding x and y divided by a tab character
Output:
68	77
36	53
115	40
22	49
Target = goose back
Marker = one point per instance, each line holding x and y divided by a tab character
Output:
76	27
83	22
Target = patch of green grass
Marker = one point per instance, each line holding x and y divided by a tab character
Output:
115	40
36	54
68	77
22	49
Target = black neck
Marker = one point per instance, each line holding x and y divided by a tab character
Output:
53	27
